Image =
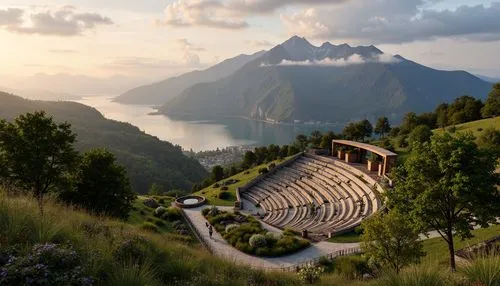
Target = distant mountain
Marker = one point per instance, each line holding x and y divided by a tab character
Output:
488	79
299	81
147	159
75	85
161	92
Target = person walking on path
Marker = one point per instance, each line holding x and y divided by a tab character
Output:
210	231
206	224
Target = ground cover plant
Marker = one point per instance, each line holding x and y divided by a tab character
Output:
247	234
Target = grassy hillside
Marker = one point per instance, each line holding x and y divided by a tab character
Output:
212	193
147	159
476	127
116	253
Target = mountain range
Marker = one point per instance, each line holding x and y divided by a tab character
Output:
161	92
297	81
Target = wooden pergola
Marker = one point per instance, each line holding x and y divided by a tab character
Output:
388	157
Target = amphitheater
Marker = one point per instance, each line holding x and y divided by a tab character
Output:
321	194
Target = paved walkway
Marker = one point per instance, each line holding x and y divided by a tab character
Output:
221	248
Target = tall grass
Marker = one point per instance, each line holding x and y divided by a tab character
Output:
422	275
484	270
167	261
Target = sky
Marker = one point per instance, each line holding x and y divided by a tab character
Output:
155	39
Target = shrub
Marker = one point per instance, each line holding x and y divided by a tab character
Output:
147	226
161	201
45	264
480	129
216	185
159	211
310	274
159	223
351	267
272	166
225	188
224	195
205	211
172	214
133	250
231	227
142	212
263	170
257	240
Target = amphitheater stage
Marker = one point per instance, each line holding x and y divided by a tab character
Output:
320	194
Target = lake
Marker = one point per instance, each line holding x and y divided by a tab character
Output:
201	135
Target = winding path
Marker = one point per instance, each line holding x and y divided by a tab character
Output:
221	248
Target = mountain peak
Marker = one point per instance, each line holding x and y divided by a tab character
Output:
297	41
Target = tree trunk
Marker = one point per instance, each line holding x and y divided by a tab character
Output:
451	249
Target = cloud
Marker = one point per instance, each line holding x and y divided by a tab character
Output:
354	59
257	43
185	13
11	17
229	14
64	21
395	21
185	45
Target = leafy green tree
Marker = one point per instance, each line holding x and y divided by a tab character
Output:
273	152
283	151
410	121
316	138
382	127
464	109
352	132
217	173
420	134
391	240
492	105
155	190
366	128
102	186
249	159
326	140
358	130
38	153
292	150
301	142
490	140
442	115
447	185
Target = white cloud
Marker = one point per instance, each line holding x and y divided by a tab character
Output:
63	21
229	14
395	21
259	43
354	59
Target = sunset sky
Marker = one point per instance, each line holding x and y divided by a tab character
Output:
155	39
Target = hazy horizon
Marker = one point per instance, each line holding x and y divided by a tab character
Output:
151	41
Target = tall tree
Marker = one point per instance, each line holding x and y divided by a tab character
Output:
38	152
447	185
410	121
315	138
442	115
391	240
420	134
249	159
382	127
155	190
301	142
326	140
366	128
490	139
492	105
102	186
217	173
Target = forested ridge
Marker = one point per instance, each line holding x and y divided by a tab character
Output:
147	159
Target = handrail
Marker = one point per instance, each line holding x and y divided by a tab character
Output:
315	261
